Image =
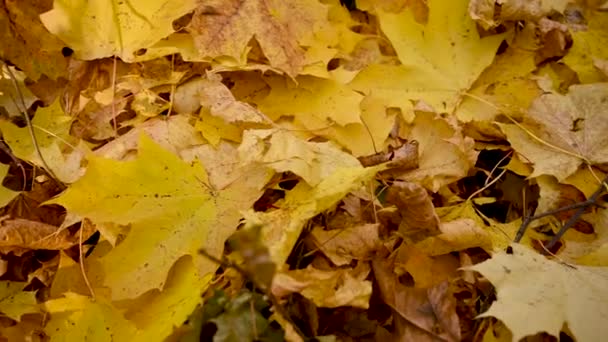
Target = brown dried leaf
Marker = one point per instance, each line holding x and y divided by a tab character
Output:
341	246
420	314
21	234
419	219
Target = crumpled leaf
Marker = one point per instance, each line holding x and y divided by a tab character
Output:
212	94
283	151
420	314
14	302
572	127
418	217
20	234
439	60
8	95
445	154
484	11
341	246
282	227
535	294
340	287
98	29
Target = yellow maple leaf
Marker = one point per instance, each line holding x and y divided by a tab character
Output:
315	103
97	29
439	60
535	294
171	210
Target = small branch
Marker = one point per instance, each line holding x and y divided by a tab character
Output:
581	208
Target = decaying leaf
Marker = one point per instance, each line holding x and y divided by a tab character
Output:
341	246
21	234
418	217
561	132
341	287
420	314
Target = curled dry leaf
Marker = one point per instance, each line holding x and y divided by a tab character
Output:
18	235
419	219
340	287
341	246
420	314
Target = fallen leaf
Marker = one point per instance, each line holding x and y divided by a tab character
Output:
340	287
588	45
283	151
14	302
484	11
418	217
172	215
120	28
341	246
21	234
420	314
224	28
535	294
571	127
428	54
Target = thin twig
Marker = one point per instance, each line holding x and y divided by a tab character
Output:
581	206
574	218
31	129
81	262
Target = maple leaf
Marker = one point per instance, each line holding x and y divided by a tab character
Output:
535	294
571	128
224	28
315	103
506	83
170	216
439	60
97	29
